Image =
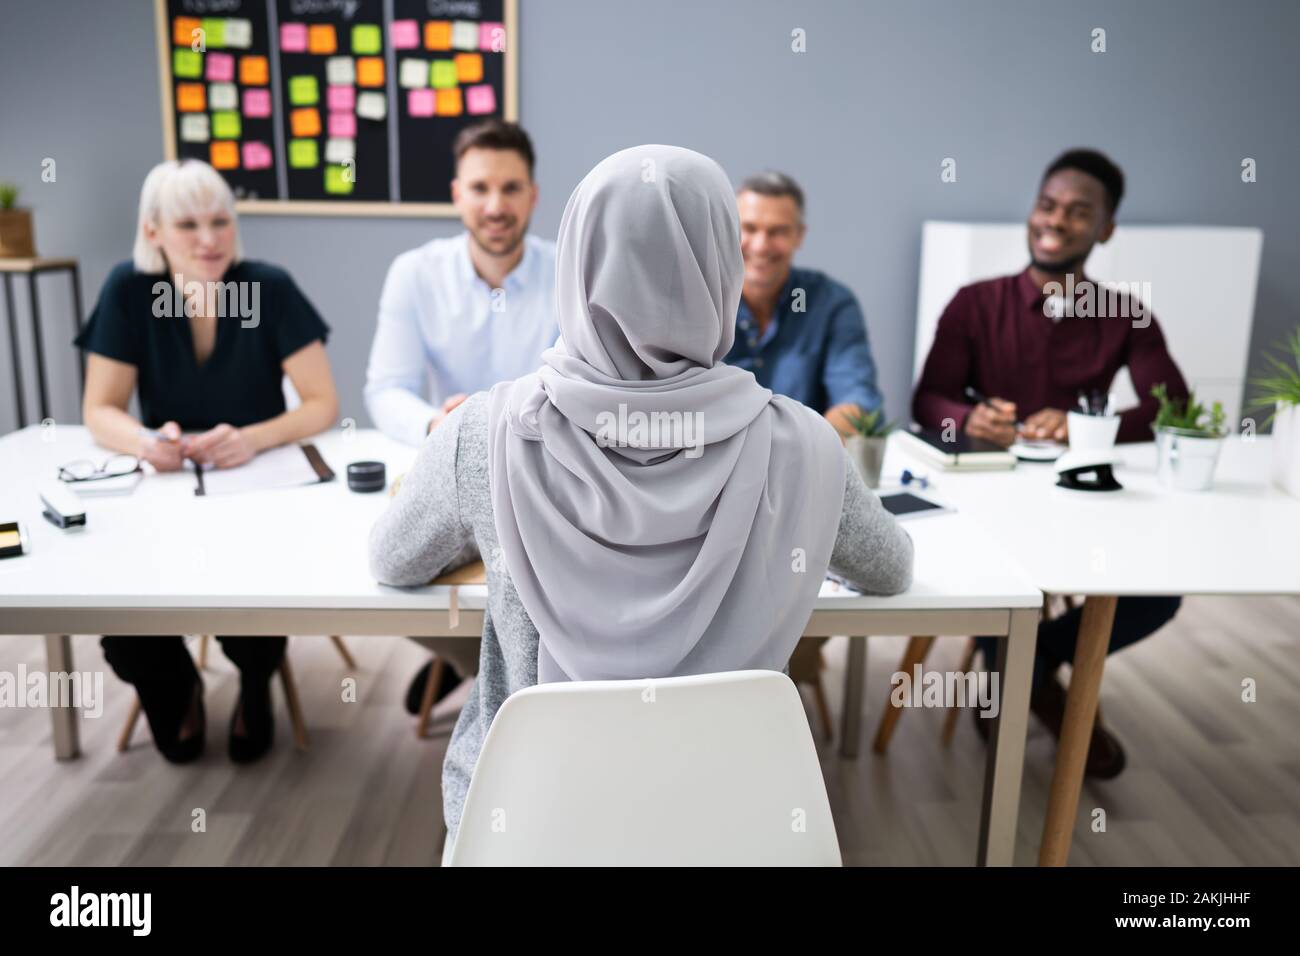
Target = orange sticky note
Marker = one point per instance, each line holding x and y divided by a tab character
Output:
253	70
224	154
437	35
305	122
321	38
449	102
469	67
183	34
370	71
190	98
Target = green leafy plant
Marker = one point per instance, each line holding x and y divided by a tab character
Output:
870	424
1189	415
1283	386
8	196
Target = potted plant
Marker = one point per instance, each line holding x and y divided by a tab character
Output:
866	446
1282	391
15	226
1189	438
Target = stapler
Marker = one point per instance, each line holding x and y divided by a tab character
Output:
63	509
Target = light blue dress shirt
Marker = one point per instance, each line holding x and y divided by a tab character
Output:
443	330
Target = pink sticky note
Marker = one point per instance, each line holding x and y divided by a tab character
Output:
257	103
492	36
221	67
257	156
342	98
404	34
343	125
420	102
293	37
480	99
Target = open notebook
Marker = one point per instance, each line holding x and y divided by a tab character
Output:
286	467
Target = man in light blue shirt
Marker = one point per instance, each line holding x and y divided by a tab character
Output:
458	315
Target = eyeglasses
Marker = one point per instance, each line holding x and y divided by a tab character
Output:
85	470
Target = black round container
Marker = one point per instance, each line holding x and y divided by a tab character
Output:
367	476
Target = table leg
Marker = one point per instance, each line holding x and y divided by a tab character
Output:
58	660
76	321
15	355
38	347
855	674
1006	752
1076	729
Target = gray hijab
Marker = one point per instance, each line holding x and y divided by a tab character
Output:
660	513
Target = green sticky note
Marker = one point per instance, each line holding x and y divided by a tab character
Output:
187	63
337	179
303	91
214	32
366	38
302	153
443	74
225	125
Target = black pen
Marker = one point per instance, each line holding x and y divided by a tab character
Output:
979	398
198	476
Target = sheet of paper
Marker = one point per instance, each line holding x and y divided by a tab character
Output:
285	467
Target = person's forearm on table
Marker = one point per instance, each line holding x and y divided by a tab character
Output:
312	417
114	429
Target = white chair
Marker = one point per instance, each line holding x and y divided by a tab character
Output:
1202	282
708	770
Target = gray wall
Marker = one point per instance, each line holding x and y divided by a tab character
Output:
863	118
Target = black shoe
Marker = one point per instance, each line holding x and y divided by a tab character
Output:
167	708
259	725
1106	758
415	693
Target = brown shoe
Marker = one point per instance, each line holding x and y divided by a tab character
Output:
1106	757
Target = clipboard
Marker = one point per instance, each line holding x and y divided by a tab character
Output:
269	472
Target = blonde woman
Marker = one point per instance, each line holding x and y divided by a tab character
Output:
204	338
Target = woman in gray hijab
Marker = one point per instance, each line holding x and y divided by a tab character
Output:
643	509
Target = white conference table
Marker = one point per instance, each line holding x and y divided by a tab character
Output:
1239	538
294	561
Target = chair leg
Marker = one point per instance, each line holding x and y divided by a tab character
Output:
950	720
295	706
124	738
917	648
426	703
342	648
823	711
203	651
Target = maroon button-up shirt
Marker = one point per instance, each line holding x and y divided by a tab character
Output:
995	337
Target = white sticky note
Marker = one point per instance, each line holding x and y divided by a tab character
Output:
340	150
413	74
340	71
194	128
464	35
239	33
223	96
372	106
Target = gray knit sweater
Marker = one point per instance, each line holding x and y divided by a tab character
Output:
442	518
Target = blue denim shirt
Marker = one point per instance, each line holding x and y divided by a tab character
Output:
819	356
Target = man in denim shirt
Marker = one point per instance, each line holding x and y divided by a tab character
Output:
799	331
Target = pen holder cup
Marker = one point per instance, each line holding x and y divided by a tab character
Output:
1092	432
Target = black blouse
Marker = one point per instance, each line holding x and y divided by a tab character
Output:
136	320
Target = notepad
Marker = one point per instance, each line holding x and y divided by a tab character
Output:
959	453
290	466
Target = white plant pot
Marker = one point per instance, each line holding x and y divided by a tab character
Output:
1186	460
868	456
1286	448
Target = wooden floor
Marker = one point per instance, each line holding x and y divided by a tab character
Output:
1211	780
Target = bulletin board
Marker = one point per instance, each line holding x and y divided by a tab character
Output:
334	107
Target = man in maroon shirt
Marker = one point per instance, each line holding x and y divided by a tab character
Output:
1031	343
